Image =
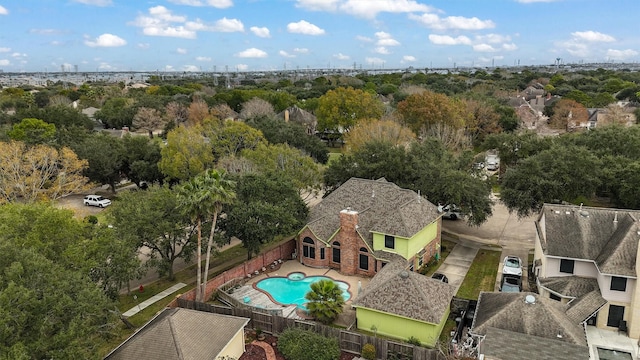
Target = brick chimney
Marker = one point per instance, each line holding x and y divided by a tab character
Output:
349	241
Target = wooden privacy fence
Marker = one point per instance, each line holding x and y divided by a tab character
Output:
349	341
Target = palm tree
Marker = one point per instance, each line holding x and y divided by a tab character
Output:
202	198
218	191
325	301
189	197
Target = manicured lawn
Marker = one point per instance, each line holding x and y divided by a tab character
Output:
333	157
481	275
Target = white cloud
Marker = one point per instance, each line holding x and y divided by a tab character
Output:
5	62
304	27
385	39
242	67
408	58
301	50
434	21
252	53
285	54
220	4
105	66
143	45
318	5
168	68
510	47
159	23
181	51
381	50
18	55
493	38
46	31
95	2
222	25
592	36
341	56
4	49
106	40
484	48
3	10
373	61
621	54
363	38
449	40
190	68
262	32
203	58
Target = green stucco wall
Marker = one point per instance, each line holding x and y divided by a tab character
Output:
399	327
407	248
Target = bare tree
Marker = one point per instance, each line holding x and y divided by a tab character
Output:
454	139
59	100
148	119
177	112
256	107
615	114
223	112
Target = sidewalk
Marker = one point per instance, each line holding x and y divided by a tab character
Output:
136	309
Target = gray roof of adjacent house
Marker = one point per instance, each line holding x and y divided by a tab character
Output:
180	334
502	344
382	207
397	291
570	286
300	116
606	236
581	308
541	317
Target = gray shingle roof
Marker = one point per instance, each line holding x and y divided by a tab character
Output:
580	309
507	345
401	292
607	236
382	207
180	334
571	286
544	318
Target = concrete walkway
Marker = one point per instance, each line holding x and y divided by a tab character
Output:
153	299
456	265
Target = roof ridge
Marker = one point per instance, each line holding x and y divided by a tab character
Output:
174	336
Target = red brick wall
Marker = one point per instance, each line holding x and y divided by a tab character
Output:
317	262
283	252
349	242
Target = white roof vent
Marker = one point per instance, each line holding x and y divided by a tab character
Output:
530	299
585	213
567	212
404	274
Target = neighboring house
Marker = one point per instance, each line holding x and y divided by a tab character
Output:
587	258
523	326
177	334
365	224
401	304
297	115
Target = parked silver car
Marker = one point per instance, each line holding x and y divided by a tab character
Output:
96	200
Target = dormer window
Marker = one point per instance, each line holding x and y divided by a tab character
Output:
389	242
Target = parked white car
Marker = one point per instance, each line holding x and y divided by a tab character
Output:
512	266
96	200
451	211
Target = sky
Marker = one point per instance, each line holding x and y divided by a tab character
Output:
265	35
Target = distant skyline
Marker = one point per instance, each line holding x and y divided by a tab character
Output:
264	35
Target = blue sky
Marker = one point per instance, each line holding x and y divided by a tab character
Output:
255	35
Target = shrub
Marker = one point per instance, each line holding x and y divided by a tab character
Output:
297	344
91	219
414	341
369	352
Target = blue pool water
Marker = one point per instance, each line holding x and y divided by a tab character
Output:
290	292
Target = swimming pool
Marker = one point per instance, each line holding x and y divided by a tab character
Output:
291	290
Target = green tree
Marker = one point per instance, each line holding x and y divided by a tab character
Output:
116	112
141	159
149	219
340	109
423	110
231	137
105	155
325	301
186	154
33	131
266	206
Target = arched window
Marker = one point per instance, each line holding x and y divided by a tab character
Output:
336	252
364	259
308	248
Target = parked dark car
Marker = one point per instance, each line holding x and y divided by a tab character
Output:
440	277
511	283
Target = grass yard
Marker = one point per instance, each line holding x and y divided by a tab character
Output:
445	248
481	275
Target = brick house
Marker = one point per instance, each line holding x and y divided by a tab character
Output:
587	259
365	224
